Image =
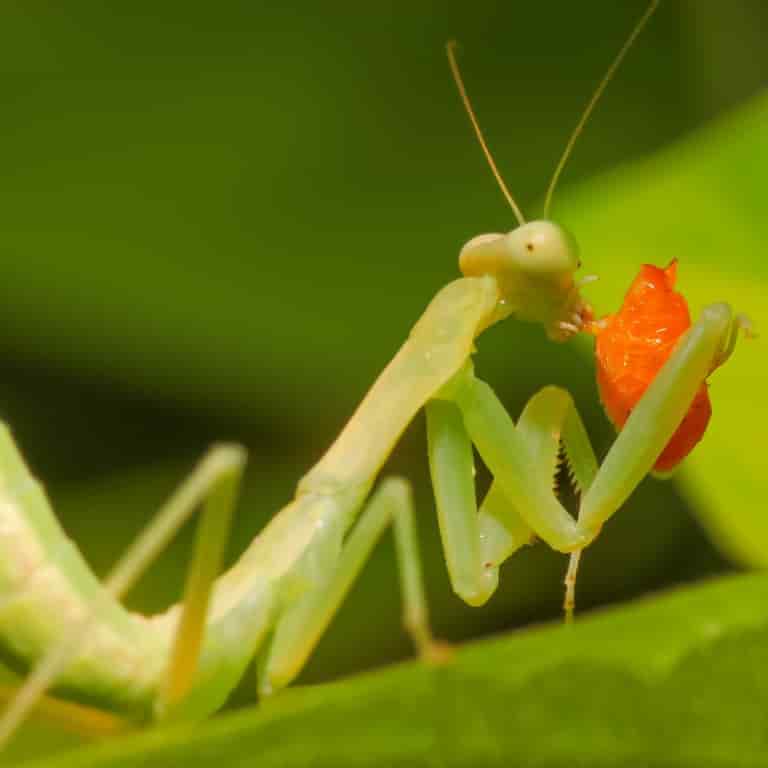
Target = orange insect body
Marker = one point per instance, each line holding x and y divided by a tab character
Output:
633	344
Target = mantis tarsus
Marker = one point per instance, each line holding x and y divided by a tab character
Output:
279	597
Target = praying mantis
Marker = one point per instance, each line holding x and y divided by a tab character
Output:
279	597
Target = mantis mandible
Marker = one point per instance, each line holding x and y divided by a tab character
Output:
276	601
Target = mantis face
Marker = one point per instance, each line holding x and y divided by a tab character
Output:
534	266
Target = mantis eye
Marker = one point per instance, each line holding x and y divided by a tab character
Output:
542	247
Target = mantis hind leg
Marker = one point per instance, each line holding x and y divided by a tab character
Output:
303	622
214	481
207	560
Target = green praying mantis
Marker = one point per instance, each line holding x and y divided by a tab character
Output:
275	602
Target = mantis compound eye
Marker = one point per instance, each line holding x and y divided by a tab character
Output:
541	248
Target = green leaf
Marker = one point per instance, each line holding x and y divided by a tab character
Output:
701	201
678	680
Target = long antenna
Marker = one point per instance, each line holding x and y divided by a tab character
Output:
450	49
595	98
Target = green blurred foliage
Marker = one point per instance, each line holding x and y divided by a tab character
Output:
220	222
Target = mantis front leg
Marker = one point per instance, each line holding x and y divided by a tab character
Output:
523	459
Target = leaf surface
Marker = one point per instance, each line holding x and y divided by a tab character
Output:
676	680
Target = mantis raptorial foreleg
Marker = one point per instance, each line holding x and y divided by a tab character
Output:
523	459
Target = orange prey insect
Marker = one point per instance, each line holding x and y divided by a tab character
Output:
632	346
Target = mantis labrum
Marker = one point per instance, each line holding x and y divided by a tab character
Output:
276	601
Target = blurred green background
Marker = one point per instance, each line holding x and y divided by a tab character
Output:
220	221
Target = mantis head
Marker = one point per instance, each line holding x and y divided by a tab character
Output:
534	263
534	267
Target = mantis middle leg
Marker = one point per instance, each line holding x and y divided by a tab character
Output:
303	622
